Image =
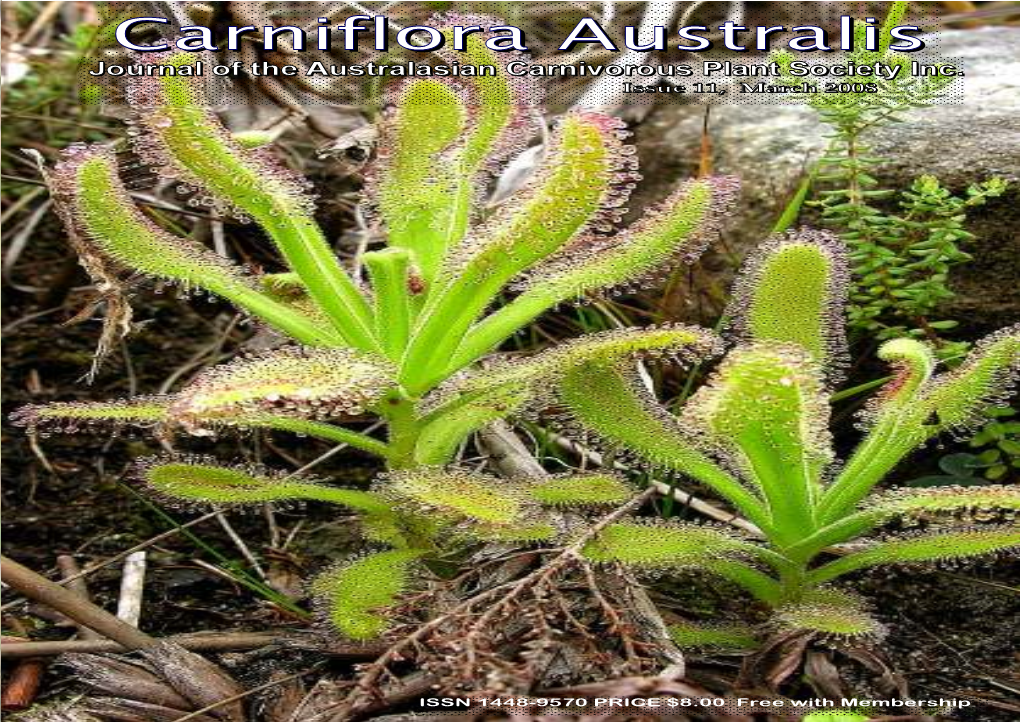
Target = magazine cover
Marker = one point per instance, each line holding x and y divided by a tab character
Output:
530	361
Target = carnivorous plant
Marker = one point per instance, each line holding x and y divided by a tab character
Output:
757	435
402	344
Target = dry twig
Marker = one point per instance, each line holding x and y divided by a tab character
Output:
502	594
132	589
67	602
199	642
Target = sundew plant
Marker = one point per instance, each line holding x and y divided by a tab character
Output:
402	345
757	435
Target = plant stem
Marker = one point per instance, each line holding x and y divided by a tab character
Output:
309	256
326	431
404	429
388	270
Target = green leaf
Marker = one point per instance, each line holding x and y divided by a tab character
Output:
663	545
354	595
256	138
679	228
503	105
765	409
793	290
931	547
912	408
86	180
996	472
391	273
295	381
203	480
105	225
836	716
183	137
153	412
421	182
622	413
581	489
582	164
913	363
445	428
760	585
540	372
960	397
527	531
72	416
973	500
455	494
1010	446
688	635
947	501
506	386
830	620
442	138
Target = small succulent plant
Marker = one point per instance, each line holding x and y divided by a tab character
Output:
402	345
757	435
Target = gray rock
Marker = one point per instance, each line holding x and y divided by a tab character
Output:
769	146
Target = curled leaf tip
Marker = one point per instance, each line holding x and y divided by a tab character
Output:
912	363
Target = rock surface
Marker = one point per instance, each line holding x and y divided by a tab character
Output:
769	146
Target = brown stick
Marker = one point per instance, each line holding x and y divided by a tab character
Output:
67	602
25	680
23	686
230	641
70	570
